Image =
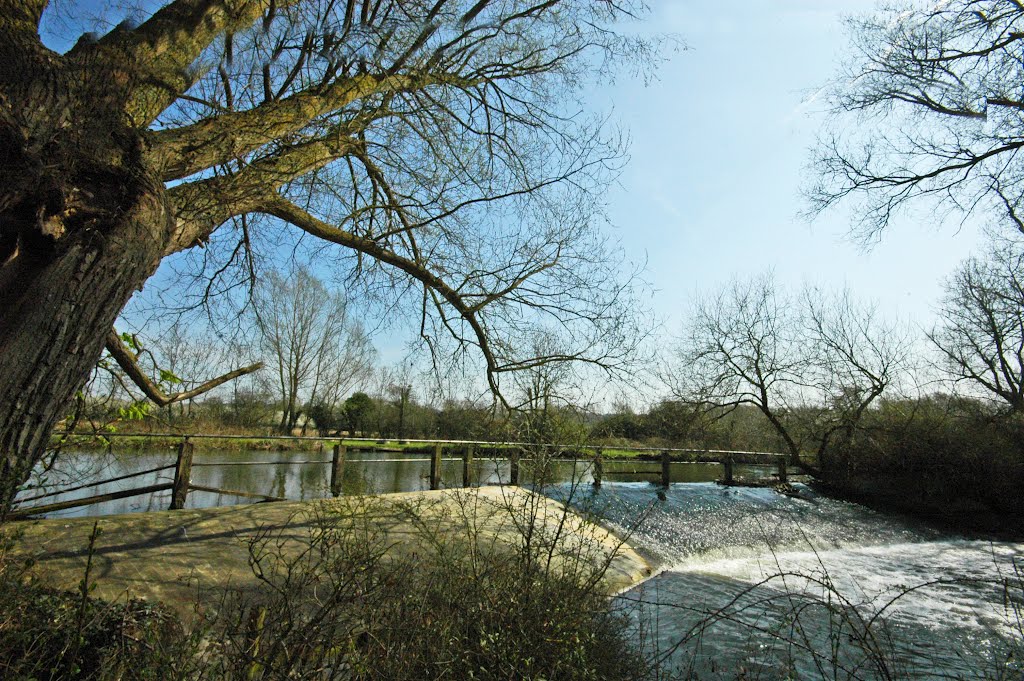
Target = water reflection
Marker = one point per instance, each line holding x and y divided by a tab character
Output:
306	475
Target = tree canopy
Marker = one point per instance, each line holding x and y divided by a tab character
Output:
929	107
432	146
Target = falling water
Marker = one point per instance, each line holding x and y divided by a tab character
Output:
762	585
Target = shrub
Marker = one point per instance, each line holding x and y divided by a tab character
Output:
933	454
340	603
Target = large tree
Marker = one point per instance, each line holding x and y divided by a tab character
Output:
426	137
929	108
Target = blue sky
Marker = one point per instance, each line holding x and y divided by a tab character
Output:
719	148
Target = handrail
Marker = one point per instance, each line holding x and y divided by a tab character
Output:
182	484
261	463
85	501
97	483
234	493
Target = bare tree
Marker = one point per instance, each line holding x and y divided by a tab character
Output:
433	141
980	335
544	392
740	347
812	364
315	353
934	91
853	356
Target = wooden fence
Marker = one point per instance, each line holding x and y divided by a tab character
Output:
514	452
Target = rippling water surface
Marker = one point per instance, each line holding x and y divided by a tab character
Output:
767	585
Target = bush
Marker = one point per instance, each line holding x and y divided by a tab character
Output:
345	605
936	455
326	419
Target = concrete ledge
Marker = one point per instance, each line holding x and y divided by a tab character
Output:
174	556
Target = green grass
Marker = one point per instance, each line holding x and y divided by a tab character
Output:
628	454
144	443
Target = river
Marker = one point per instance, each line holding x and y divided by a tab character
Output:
813	587
750	582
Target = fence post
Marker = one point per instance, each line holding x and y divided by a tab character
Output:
727	464
435	468
513	465
783	476
182	474
467	465
597	470
666	471
338	468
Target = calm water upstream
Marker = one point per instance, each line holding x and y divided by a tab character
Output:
292	478
750	579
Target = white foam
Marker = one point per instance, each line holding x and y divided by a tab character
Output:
927	582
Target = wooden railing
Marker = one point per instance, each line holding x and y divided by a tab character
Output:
515	453
727	459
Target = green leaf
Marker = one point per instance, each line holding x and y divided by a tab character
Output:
136	411
169	377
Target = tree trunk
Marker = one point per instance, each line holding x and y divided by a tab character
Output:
83	224
54	318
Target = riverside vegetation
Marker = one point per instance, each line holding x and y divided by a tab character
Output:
344	606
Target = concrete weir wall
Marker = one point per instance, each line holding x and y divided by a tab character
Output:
173	556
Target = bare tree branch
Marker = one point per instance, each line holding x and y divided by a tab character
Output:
128	361
935	93
981	330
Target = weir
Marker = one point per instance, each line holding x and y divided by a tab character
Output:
777	585
174	556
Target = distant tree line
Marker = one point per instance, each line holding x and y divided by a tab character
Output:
935	424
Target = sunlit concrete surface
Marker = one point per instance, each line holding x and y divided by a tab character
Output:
177	556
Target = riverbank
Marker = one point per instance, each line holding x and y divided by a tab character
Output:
960	515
